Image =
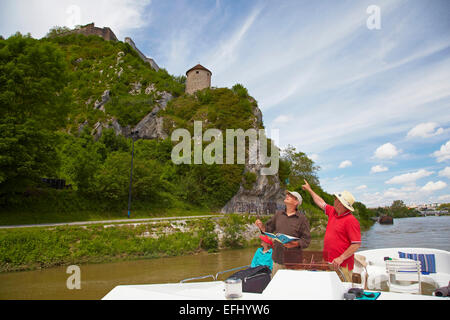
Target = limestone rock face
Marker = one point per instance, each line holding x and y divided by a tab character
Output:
265	196
104	99
151	126
136	88
112	123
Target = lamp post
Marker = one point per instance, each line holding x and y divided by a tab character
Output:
133	135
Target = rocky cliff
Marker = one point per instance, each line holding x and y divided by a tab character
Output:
265	195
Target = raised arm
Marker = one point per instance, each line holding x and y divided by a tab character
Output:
317	200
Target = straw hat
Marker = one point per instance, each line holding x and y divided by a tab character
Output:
347	199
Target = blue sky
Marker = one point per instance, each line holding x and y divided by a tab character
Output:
370	106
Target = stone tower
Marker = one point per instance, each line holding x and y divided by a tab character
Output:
197	78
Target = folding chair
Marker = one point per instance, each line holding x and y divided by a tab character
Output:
404	275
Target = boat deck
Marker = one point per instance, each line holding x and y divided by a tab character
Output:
286	285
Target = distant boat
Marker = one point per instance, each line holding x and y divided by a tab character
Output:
386	220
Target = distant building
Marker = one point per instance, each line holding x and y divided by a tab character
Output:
90	29
107	34
197	78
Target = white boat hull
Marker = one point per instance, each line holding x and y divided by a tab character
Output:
286	285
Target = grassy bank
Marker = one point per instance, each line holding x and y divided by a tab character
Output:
35	248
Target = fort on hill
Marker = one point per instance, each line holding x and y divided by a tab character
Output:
90	29
107	34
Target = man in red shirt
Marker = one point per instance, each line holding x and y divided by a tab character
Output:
343	235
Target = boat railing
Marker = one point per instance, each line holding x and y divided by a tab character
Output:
214	277
198	278
229	270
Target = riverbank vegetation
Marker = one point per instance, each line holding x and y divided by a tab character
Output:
34	248
398	209
43	247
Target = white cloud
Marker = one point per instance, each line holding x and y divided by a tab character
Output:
445	197
393	193
386	151
445	172
281	119
409	177
410	193
433	186
425	130
226	53
314	157
443	153
378	168
37	17
361	187
345	164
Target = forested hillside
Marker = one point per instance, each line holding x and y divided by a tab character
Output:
50	92
67	108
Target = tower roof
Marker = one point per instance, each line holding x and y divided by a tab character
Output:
198	67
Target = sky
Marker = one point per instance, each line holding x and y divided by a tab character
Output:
361	87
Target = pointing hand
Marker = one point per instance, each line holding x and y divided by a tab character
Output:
306	186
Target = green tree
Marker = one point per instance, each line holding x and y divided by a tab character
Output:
81	159
284	171
56	31
112	178
240	90
398	209
33	104
362	213
110	142
297	166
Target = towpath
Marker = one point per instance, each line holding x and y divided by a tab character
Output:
114	221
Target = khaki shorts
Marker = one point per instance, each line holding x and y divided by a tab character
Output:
345	275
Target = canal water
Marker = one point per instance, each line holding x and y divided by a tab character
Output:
98	279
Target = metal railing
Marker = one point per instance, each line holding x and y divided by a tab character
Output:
198	278
214	277
222	272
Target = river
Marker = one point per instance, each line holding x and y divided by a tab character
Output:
98	279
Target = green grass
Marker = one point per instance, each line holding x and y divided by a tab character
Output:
31	248
39	247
